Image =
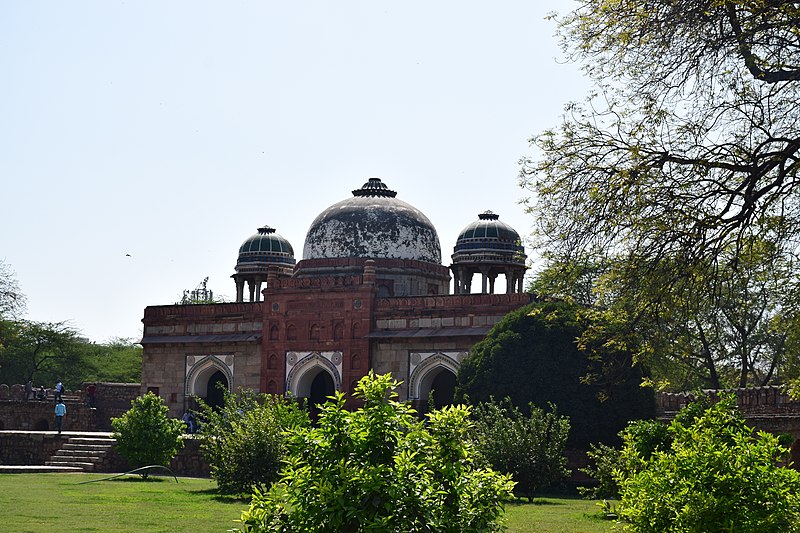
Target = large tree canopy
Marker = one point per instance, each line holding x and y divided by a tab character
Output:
678	176
532	357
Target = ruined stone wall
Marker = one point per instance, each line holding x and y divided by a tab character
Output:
40	416
112	400
36	448
765	408
28	448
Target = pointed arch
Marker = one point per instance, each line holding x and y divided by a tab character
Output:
426	370
200	369
302	373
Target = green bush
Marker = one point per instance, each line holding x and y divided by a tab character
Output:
529	447
379	469
716	475
244	442
641	438
532	356
145	435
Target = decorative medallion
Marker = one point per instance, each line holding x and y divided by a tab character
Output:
336	358
356	304
415	358
276	307
229	360
291	358
190	359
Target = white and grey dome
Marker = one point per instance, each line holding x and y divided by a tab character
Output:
373	224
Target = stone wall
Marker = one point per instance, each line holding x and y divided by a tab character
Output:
765	408
28	447
111	400
40	416
35	448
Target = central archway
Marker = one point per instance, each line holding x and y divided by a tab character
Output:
321	387
215	390
443	388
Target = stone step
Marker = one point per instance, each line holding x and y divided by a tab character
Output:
92	440
77	458
79	446
86	467
75	452
37	469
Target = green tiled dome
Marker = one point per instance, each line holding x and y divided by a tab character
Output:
489	239
263	249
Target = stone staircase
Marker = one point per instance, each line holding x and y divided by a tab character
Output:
81	454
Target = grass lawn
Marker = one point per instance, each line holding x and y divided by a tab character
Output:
48	503
556	515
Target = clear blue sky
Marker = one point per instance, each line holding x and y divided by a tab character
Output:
171	130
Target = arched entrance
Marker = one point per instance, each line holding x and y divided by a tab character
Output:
215	390
321	387
204	377
443	388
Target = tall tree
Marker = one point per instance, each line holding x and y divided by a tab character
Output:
680	173
42	351
12	301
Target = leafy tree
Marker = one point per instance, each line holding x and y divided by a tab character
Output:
118	361
643	437
716	475
679	176
379	469
12	301
244	442
532	356
528	447
145	435
42	351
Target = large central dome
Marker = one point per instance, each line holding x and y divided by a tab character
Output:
373	224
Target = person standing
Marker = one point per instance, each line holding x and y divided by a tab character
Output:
29	390
59	390
61	410
91	390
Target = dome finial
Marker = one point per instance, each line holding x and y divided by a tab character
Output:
265	229
375	187
488	215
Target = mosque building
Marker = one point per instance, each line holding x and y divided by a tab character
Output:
370	292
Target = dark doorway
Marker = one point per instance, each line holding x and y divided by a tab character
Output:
321	388
443	388
41	425
215	392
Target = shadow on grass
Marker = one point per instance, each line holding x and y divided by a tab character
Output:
218	496
140	479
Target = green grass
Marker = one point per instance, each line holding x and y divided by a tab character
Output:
556	515
58	503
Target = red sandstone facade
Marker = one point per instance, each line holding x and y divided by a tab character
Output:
370	294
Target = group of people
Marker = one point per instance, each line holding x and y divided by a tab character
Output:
39	394
58	391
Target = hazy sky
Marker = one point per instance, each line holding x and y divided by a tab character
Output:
171	130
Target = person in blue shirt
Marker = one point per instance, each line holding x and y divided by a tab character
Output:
59	390
61	410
